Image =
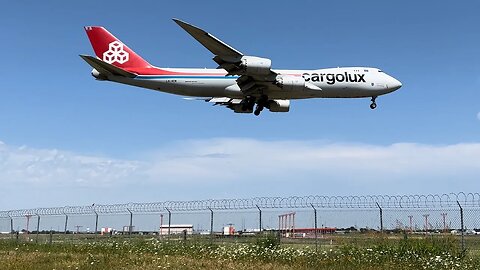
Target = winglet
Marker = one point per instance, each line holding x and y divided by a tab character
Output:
213	44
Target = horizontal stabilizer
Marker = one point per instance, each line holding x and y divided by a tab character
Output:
106	68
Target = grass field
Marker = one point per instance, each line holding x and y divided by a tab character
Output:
262	253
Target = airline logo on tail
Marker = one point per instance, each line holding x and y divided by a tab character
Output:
115	53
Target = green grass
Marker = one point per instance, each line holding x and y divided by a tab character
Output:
264	253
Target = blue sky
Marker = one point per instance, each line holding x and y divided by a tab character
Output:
62	131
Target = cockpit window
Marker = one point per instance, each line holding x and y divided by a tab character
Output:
380	70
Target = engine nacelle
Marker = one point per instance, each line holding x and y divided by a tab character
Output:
290	83
233	91
256	65
279	105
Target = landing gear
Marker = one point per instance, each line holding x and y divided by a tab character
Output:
248	103
373	105
258	110
262	101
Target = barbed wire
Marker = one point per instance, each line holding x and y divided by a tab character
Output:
336	202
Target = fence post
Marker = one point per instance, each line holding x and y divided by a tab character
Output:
462	226
259	218
316	227
11	223
381	217
66	223
131	222
160	232
38	226
169	220
211	222
96	223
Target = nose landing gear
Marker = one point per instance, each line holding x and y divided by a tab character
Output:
373	105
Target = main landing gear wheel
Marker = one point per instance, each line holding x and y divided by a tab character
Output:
373	105
248	104
258	110
261	103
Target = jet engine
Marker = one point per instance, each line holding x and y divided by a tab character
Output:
255	65
290	83
278	105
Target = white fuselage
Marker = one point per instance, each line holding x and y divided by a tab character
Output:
349	82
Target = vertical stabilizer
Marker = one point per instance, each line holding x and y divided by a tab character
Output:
112	51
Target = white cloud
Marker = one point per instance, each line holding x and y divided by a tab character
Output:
30	166
238	167
273	161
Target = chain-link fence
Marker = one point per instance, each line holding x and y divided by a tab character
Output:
319	220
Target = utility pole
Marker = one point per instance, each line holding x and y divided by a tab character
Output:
411	223
444	216
28	222
426	223
78	228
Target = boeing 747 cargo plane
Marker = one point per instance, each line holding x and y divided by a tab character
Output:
243	83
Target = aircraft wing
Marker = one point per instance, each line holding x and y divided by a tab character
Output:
255	72
213	44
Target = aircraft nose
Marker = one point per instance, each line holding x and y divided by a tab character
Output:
394	84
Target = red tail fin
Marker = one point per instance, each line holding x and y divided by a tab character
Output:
111	50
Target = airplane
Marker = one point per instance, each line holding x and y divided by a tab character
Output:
242	83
